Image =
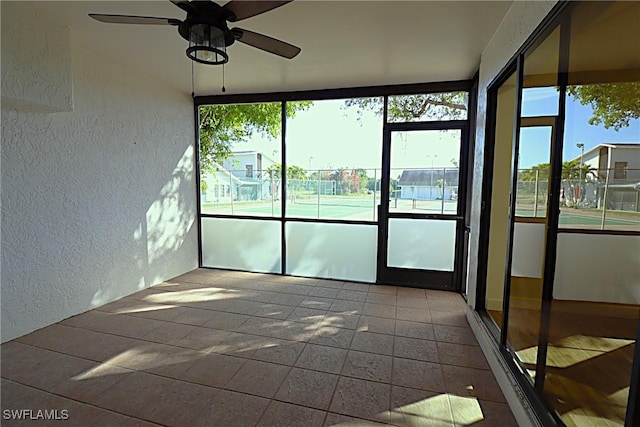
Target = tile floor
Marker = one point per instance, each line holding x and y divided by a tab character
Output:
222	348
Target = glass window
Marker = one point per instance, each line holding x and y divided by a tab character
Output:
428	107
594	313
501	184
424	171
601	158
332	251
240	159
334	151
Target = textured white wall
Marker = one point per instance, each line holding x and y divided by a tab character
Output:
34	88
519	22
98	202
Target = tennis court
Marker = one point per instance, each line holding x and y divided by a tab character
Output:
364	208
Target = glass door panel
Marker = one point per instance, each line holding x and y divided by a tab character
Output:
529	240
420	219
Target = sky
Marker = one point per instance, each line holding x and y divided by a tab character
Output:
330	136
535	144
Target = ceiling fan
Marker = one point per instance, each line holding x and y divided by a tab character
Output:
206	29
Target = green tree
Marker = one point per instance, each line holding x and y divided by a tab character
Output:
614	104
363	180
223	126
570	170
435	106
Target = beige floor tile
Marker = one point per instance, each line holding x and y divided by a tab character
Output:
413	302
383	289
350	307
368	366
340	420
372	343
362	399
274	311
462	355
417	374
379	310
179	404
279	351
385	299
332	336
341	320
413	314
213	370
88	385
215	348
454	334
134	393
308	388
307	315
258	378
194	316
414	348
231	409
352	295
169	333
280	414
419	330
353	286
470	411
469	382
324	292
322	358
318	303
287	299
226	321
411	407
448	318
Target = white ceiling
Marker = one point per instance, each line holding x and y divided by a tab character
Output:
344	43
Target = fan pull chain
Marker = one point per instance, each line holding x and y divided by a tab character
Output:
223	88
193	91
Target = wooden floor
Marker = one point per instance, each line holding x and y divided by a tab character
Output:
589	359
220	348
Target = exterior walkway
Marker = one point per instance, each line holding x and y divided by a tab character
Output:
222	348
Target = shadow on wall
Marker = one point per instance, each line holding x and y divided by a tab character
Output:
162	231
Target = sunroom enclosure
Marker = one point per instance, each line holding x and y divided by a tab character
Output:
374	189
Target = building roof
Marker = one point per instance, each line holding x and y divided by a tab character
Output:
428	176
613	145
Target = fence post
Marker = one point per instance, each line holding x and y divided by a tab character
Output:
319	189
273	193
444	183
535	199
231	191
604	201
375	177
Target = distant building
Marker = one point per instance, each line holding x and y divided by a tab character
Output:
616	167
428	184
242	176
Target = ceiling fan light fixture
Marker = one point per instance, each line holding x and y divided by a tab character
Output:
207	45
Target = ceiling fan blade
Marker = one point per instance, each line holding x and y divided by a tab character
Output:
243	9
185	5
128	19
266	43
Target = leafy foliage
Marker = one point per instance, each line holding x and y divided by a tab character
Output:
614	104
222	126
570	170
434	106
